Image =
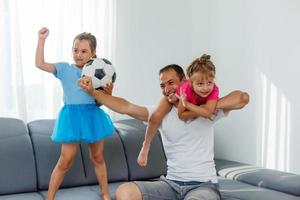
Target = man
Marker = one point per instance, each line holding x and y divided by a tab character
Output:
188	145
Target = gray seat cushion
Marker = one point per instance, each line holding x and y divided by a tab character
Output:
261	177
233	190
17	168
132	133
23	196
83	192
272	179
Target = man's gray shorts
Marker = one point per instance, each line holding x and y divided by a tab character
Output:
164	189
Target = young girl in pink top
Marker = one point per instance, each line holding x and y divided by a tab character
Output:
198	96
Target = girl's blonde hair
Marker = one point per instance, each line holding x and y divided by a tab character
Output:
90	38
203	65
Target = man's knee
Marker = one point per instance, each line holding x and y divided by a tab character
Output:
128	191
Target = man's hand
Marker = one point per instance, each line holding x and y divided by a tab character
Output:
86	84
142	159
108	89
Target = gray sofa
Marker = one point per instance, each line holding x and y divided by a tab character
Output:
27	157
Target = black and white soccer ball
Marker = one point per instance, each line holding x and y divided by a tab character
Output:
101	71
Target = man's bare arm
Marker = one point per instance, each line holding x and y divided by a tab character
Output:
117	104
233	101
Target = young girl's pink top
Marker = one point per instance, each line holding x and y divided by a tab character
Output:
192	97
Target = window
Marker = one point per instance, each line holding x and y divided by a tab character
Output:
25	91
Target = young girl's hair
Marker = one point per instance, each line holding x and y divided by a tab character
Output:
90	38
202	65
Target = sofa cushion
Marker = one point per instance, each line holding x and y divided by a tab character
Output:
47	153
22	196
17	168
132	133
115	161
273	179
83	192
261	177
235	190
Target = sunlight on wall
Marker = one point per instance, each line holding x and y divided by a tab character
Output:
275	126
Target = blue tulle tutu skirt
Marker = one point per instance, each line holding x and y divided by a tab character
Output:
82	122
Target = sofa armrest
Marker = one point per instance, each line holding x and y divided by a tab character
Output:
261	177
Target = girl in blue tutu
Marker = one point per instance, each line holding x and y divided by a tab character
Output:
79	119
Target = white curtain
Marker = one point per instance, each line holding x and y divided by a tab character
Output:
26	92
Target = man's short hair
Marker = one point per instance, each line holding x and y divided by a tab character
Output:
178	69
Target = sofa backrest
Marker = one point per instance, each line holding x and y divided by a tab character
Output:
115	161
82	171
132	133
28	156
17	164
47	153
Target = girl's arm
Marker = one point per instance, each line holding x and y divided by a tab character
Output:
206	110
233	101
185	114
163	108
39	55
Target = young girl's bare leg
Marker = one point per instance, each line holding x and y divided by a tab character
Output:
96	156
64	163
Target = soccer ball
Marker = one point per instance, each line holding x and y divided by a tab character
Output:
101	71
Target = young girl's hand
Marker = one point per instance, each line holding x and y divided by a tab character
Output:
43	33
183	97
172	98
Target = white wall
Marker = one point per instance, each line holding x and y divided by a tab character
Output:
254	45
257	48
150	35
